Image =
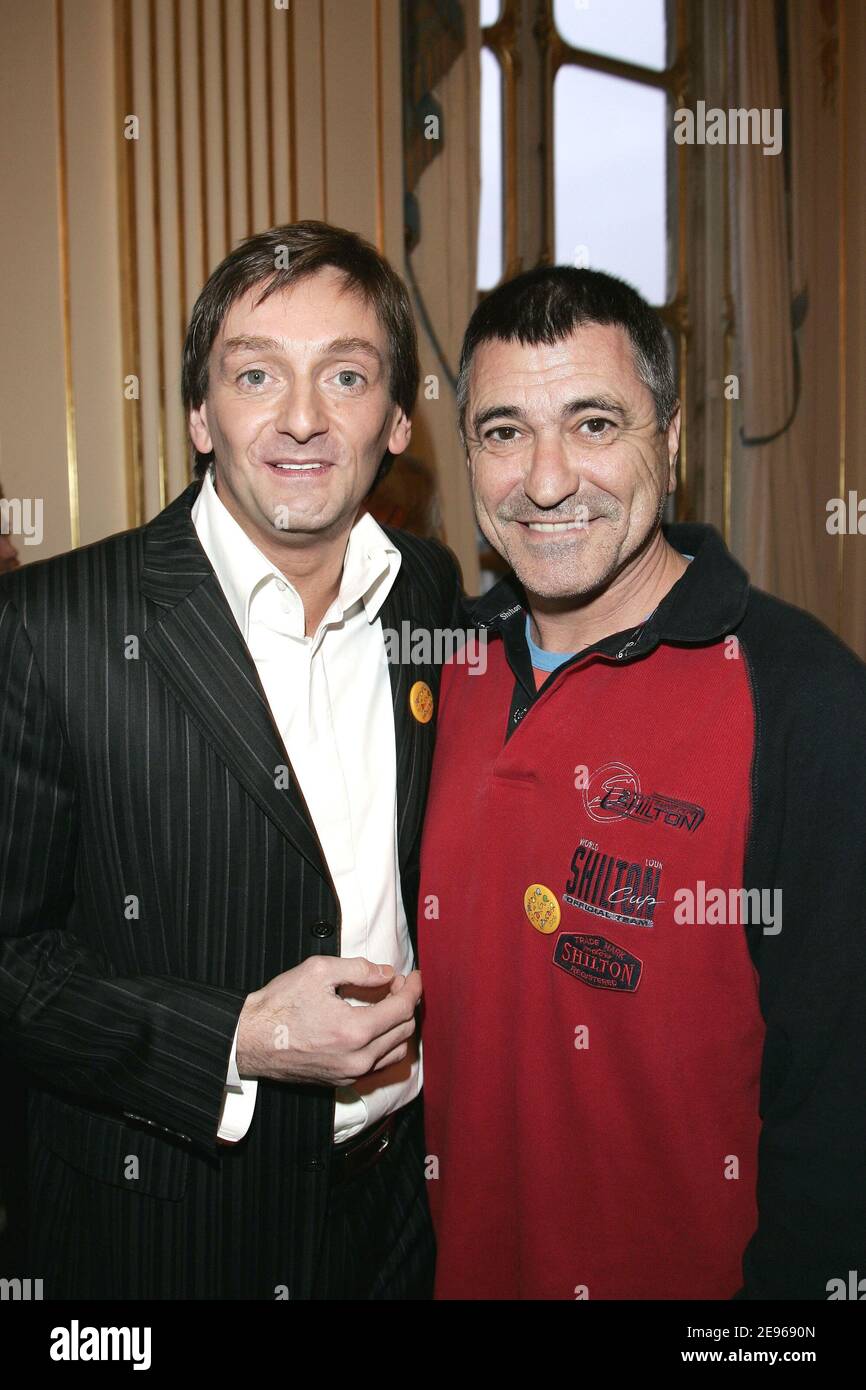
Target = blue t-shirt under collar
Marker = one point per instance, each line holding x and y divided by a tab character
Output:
548	661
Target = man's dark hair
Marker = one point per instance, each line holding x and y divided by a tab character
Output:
301	249
547	304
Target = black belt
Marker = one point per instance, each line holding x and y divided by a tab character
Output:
364	1150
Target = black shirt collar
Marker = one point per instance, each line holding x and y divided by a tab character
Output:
706	602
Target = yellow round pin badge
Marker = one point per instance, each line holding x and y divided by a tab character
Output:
421	702
541	907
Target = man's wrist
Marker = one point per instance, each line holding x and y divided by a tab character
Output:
244	1062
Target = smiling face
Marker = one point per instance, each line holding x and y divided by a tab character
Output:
298	412
569	470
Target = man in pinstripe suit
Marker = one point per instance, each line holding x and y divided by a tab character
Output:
210	805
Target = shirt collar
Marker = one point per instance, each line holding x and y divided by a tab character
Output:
370	565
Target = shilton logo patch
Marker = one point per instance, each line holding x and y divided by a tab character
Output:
607	786
614	793
613	888
598	962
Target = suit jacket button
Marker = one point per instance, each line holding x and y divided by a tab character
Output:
322	929
314	1165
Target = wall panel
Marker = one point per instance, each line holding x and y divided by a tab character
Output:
248	114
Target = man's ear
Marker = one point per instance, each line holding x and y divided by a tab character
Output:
401	433
198	429
673	446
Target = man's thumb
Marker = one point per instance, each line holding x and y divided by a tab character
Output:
359	971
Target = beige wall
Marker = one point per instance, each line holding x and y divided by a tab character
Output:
250	114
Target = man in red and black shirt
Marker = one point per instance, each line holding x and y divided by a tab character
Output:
643	926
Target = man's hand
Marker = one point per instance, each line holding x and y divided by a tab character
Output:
298	1028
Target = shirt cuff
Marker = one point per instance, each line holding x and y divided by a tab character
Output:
239	1100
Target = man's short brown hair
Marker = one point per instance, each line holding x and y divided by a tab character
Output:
301	249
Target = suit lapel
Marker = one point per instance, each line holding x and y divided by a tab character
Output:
196	648
414	740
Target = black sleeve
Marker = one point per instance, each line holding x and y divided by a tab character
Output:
808	838
156	1048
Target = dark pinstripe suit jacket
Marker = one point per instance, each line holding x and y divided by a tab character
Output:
152	874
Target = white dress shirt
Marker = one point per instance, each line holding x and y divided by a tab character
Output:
330	696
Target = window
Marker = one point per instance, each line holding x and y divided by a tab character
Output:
490	207
606	91
631	30
610	178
